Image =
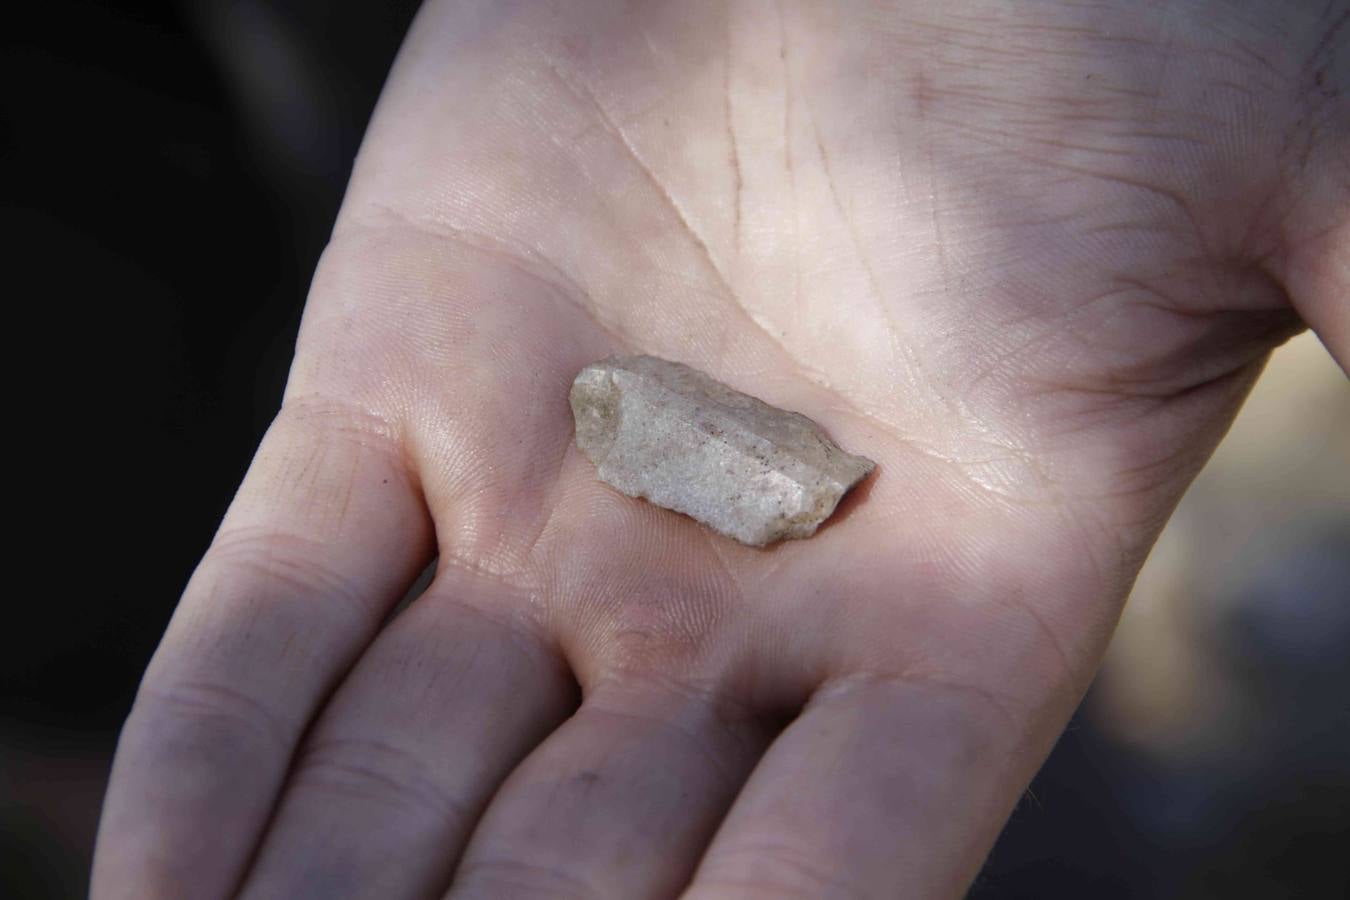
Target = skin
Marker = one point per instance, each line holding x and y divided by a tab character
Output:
1029	257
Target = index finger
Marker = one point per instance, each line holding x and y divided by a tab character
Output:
325	534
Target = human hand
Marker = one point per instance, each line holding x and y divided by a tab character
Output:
1026	257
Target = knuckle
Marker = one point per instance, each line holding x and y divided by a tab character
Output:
378	772
513	877
315	454
980	700
201	718
341	419
773	866
709	723
266	562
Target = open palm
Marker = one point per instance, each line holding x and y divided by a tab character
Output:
1027	257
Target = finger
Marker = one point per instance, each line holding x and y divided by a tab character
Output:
397	770
619	802
324	535
881	788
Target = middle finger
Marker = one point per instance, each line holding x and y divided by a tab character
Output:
397	770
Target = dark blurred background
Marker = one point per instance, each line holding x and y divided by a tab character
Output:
169	173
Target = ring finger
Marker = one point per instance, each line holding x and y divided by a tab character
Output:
619	802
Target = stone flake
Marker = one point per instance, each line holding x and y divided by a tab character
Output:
671	434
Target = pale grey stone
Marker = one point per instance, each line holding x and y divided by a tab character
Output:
669	433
